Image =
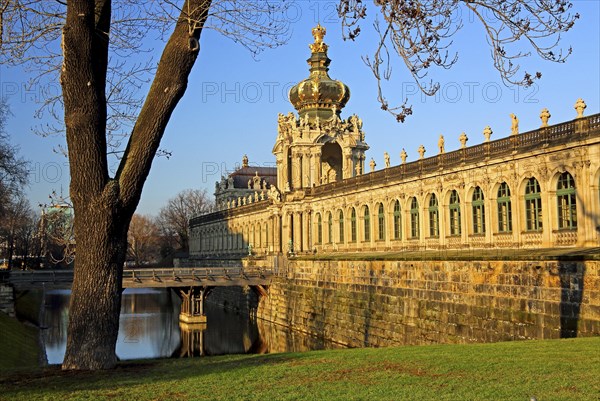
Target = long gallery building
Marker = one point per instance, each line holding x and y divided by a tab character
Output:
538	189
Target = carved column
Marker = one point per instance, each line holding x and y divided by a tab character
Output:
281	171
276	228
285	234
305	231
296	173
297	231
306	169
347	165
317	166
362	164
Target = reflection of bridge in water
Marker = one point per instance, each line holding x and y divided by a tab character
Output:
192	284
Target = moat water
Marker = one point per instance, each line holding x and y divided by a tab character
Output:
149	327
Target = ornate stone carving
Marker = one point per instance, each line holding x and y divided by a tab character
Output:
274	194
386	159
545	116
403	156
421	151
487	133
372	164
463	138
580	106
441	144
514	127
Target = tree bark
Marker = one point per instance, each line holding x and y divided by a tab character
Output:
103	207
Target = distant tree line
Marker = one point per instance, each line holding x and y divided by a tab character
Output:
156	241
33	238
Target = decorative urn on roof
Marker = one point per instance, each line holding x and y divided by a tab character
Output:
319	95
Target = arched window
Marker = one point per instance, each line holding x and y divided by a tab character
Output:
504	209
455	228
319	229
533	205
353	225
478	212
367	226
329	227
434	217
567	202
381	223
341	223
397	221
414	218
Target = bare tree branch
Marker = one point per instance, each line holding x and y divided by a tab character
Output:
419	32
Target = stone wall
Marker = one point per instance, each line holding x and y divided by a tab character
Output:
382	303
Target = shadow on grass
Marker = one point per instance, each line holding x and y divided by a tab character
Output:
53	381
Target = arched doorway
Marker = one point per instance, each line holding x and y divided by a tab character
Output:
331	162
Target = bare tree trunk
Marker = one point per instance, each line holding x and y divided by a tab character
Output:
96	293
103	206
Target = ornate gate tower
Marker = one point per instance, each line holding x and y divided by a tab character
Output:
318	147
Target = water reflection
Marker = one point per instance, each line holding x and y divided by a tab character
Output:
149	327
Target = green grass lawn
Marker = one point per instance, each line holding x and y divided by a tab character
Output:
548	370
18	344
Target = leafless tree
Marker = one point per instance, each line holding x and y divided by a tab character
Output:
13	168
57	233
27	241
174	217
84	43
15	217
143	239
420	33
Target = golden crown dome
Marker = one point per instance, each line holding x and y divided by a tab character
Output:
319	95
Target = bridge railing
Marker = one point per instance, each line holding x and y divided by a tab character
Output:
195	273
40	276
188	274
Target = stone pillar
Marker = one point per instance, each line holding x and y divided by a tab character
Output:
285	231
549	211
297	231
347	165
282	170
588	230
517	205
296	171
489	212
465	219
317	166
305	231
276	228
192	305
306	167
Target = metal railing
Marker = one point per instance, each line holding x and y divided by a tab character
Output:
196	274
192	274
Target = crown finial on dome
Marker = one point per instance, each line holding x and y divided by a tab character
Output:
319	95
318	46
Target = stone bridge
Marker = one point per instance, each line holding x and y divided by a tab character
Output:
192	284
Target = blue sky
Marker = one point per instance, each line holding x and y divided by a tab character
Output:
231	104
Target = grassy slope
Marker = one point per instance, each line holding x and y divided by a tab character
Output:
548	370
18	344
